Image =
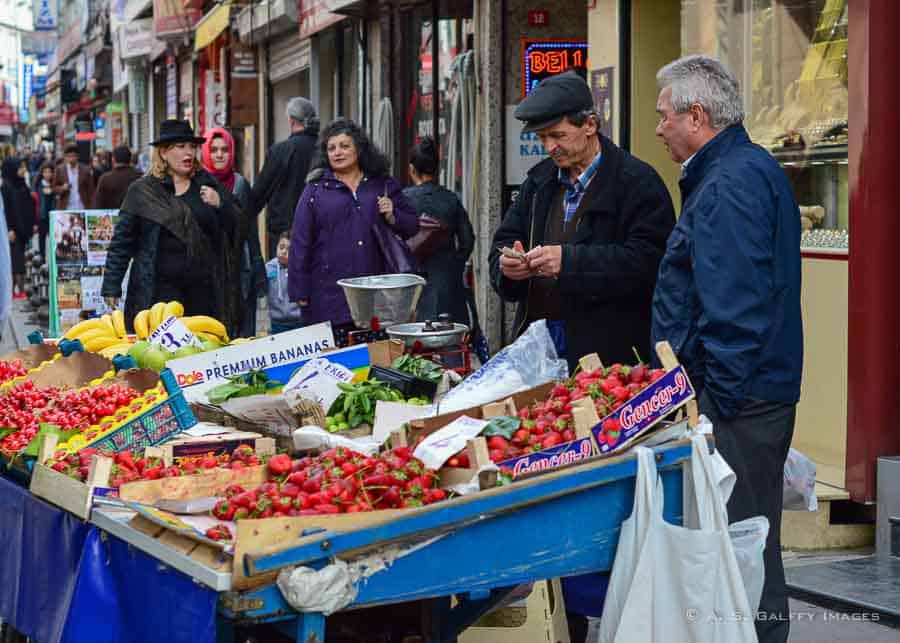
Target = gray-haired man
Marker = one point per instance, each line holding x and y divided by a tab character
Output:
283	176
728	296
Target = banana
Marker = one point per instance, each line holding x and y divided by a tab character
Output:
156	315
142	324
118	320
82	327
116	349
95	344
107	320
174	309
95	333
205	324
204	336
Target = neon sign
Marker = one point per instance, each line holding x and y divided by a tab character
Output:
543	58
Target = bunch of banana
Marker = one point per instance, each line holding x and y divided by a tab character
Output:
105	335
203	327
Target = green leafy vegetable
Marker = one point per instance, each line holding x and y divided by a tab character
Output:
356	404
502	425
252	383
419	367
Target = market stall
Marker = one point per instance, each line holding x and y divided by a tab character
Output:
324	479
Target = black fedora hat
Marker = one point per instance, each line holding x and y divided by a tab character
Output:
173	130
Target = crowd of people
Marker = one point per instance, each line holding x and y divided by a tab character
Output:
591	244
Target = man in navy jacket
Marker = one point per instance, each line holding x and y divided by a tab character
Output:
728	296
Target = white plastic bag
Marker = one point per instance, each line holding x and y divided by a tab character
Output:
799	483
672	583
748	537
529	361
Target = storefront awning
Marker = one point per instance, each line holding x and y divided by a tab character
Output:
211	25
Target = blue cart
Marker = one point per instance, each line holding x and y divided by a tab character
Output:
476	548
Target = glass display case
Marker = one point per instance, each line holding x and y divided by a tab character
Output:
790	57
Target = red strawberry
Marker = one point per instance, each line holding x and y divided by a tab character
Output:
497	442
551	440
280	465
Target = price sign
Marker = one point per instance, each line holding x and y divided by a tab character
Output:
171	335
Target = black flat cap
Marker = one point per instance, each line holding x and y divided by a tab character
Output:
553	98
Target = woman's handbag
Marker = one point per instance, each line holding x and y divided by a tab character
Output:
431	237
397	256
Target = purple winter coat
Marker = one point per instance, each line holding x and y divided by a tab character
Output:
332	239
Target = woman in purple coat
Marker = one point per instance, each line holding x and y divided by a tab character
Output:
346	196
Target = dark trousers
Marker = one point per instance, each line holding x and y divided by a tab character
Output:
755	444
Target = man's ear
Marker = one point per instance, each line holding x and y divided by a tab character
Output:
699	116
592	126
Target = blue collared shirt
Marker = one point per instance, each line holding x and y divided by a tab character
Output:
575	192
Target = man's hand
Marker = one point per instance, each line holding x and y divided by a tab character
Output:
545	261
303	303
210	197
513	268
12	235
112	302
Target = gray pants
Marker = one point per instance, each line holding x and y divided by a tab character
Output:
755	444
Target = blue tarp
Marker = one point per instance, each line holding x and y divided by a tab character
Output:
62	580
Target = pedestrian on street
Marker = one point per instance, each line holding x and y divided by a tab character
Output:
283	176
182	232
6	278
18	204
728	296
113	185
73	182
445	238
43	187
99	166
589	227
284	314
217	156
334	236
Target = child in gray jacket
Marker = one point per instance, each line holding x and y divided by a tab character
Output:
284	314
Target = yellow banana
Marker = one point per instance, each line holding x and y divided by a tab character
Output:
205	324
156	315
118	320
174	309
204	336
115	349
82	327
94	333
95	344
142	324
107	320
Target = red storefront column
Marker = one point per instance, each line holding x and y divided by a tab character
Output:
873	396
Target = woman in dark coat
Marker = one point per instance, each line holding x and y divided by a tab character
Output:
443	257
18	205
184	232
217	157
334	236
43	187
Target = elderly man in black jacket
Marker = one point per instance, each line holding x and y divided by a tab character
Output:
283	176
591	223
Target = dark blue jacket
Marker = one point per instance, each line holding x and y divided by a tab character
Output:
728	293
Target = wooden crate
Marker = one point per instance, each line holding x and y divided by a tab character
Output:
68	493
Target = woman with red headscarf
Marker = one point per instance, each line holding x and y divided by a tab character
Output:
217	156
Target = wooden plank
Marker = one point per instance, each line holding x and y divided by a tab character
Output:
177	542
584	413
275	534
202	485
212	557
61	490
141	524
669	361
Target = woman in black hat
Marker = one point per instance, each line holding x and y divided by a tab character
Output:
182	231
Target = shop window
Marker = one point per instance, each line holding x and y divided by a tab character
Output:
790	57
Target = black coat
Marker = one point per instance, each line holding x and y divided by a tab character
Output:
18	205
609	270
445	292
151	204
281	181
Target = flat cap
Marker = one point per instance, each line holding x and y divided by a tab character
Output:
553	98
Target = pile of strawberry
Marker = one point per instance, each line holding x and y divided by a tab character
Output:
129	467
11	369
25	407
549	423
334	482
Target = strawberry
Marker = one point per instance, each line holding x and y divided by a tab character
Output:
638	374
496	455
219	532
657	374
279	465
520	437
621	394
524	414
233	490
560	390
497	442
551	440
224	510
209	462
242	452
568	435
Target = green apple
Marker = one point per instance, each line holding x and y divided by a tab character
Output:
137	351
185	351
155	358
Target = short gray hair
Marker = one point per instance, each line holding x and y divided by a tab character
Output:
304	112
704	81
